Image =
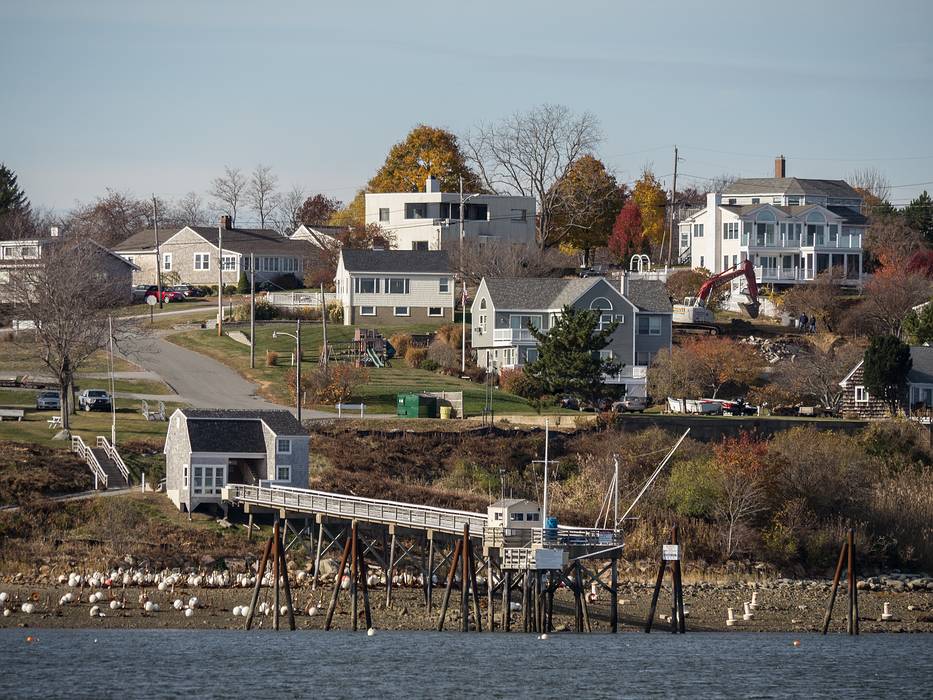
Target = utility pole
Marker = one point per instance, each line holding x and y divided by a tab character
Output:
298	367
324	326
670	243
155	225
463	298
252	311
113	397
220	277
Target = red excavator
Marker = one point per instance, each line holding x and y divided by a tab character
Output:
693	315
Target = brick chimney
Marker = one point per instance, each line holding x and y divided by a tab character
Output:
780	166
226	222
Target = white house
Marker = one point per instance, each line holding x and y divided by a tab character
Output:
383	285
791	229
427	220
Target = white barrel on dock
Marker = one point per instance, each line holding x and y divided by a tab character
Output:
754	604
748	612
730	617
887	614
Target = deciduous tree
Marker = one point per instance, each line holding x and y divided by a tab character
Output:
873	185
229	190
887	363
741	484
261	193
703	366
651	199
529	152
823	298
627	236
569	361
318	209
505	259
889	296
112	218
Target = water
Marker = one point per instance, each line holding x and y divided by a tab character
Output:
261	664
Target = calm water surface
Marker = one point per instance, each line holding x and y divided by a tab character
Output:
233	664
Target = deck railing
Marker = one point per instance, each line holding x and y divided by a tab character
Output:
85	453
114	456
355	507
576	536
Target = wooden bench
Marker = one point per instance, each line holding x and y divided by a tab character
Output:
55	422
11	413
341	407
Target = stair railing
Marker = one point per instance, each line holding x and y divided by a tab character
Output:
114	456
85	453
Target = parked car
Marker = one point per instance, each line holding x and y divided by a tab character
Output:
188	291
48	401
633	404
569	402
139	293
168	293
94	400
737	407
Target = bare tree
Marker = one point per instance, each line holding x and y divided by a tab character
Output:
190	211
111	219
527	153
261	194
288	213
889	298
872	183
69	294
719	183
229	190
503	259
741	497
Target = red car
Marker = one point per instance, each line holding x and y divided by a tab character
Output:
167	294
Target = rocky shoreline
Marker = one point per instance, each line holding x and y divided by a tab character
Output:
783	605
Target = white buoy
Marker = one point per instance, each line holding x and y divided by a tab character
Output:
95	611
149	606
312	611
730	617
189	612
283	610
754	604
543	636
887	614
178	604
114	604
28	608
370	632
193	602
748	612
4	597
6	612
515	607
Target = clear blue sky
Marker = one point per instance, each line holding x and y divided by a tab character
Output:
158	97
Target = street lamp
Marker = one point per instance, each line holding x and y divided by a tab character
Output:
297	336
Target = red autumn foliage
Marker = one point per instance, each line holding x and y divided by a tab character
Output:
627	235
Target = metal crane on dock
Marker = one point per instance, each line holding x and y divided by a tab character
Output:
693	315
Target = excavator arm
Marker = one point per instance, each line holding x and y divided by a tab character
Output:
743	268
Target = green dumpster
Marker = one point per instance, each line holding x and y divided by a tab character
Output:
416	406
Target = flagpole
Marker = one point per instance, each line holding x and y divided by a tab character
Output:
463	329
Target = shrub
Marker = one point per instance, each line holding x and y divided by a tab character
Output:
288	281
475	373
272	358
334	313
429	365
264	311
242	285
450	334
415	356
517	381
443	354
401	342
329	384
693	489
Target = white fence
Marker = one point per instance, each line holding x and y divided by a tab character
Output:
299	299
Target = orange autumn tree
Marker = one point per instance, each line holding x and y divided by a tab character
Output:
715	362
742	476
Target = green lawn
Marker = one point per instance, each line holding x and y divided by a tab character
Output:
379	394
22	357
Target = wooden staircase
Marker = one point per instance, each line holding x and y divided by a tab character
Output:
104	462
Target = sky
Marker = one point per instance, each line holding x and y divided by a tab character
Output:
158	97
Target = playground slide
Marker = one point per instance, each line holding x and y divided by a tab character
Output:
375	358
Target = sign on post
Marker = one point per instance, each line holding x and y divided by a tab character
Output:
671	552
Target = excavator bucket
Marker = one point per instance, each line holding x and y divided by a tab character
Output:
751	308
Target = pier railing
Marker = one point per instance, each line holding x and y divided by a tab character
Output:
356	508
576	537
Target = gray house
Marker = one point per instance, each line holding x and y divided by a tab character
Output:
207	448
917	403
503	308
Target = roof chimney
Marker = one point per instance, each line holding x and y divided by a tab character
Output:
225	222
780	166
431	184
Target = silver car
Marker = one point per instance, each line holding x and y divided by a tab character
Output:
48	401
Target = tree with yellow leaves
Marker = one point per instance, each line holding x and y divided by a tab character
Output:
651	199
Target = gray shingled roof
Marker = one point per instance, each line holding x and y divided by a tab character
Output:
527	293
400	261
849	215
238	240
792	185
650	295
280	422
209	435
922	370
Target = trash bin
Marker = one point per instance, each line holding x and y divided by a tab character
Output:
416	406
445	412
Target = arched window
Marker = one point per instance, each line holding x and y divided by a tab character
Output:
814	217
766	215
482	303
601	304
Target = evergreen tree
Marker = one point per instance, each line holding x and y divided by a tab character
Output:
919	326
568	361
242	285
919	216
12	197
887	363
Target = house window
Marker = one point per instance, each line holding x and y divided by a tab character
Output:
642	359
416	210
185	476
698	230
283	472
202	261
702	262
482	303
531	355
166	261
605	355
435	311
756	200
517	517
605	320
228	262
283	446
397	285
730	231
383	213
443	285
366	285
450	210
400	310
793	201
649	325
476	212
419	245
208	479
498	516
519	214
732	200
367	311
861	395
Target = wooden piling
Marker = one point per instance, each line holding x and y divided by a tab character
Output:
507	601
552	584
477	614
577	602
333	599
853	594
654	597
259	574
465	581
275	573
835	588
614	595
585	605
317	553
490	596
450	584
390	566
283	565
354	573
364	585
430	581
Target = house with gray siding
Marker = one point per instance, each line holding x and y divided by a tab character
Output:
858	402
205	449
503	308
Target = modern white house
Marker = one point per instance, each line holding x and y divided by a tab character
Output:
428	220
504	308
205	449
394	285
792	229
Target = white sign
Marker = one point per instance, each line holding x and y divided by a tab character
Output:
151	300
671	552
